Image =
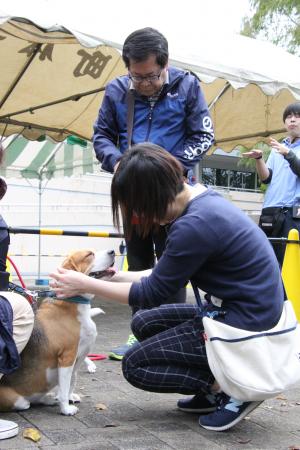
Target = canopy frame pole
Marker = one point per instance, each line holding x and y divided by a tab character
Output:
262	134
20	75
74	98
39	224
219	95
44	128
40	192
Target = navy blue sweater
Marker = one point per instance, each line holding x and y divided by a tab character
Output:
227	255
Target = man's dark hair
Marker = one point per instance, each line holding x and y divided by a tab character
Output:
146	182
293	108
143	43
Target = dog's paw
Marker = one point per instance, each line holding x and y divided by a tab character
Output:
90	365
68	410
21	404
74	398
91	368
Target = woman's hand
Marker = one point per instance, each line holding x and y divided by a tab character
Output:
68	283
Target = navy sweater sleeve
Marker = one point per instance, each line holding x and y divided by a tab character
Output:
179	261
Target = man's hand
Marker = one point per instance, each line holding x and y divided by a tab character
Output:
254	154
279	148
261	168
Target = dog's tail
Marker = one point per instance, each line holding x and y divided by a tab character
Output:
96	311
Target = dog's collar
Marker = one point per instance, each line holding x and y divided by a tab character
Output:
77	299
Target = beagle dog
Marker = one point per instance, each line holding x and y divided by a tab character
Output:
63	335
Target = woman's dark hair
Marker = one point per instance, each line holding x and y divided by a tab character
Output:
147	180
143	43
293	108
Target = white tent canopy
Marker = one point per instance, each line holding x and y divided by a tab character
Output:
53	81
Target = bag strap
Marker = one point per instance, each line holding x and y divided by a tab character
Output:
130	114
197	296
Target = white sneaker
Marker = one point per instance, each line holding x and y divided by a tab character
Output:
8	429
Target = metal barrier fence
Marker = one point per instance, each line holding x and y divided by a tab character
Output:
290	269
60	232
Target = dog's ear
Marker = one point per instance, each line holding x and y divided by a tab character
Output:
79	261
69	263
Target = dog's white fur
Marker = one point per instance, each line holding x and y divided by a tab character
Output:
63	335
89	364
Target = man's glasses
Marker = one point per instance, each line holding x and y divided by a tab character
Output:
149	78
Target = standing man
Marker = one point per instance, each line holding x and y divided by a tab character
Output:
159	104
281	208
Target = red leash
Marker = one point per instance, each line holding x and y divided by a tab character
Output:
96	356
29	298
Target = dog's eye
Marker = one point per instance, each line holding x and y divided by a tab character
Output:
89	254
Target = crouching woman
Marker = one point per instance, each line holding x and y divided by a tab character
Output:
210	242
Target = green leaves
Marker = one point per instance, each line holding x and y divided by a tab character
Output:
275	20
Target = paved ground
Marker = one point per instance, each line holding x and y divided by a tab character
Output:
137	420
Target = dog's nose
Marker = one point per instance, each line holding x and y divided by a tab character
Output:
111	253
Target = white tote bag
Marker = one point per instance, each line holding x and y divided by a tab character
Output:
251	365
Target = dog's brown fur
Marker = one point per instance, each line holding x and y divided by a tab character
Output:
62	336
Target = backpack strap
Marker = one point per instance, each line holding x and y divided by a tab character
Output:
130	115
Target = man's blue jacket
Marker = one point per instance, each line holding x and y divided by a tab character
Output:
178	122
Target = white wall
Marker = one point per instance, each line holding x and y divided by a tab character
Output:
80	204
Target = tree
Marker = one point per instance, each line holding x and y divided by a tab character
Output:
275	20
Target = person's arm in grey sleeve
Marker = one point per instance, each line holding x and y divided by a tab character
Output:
105	136
288	154
199	128
293	161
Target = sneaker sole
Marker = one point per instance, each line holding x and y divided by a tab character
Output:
115	357
198	411
9	433
248	410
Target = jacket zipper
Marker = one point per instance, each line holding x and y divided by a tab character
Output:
152	107
150	122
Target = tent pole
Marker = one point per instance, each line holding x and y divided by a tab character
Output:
28	125
73	98
40	224
20	75
222	91
40	192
